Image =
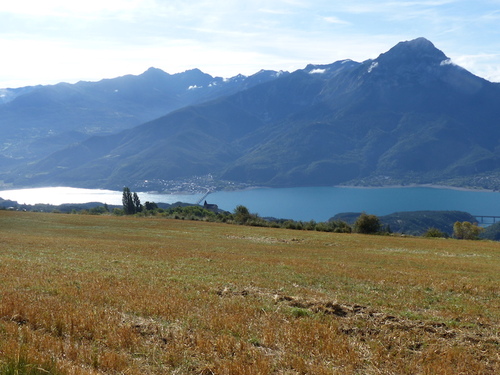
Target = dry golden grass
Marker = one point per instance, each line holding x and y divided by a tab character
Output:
122	295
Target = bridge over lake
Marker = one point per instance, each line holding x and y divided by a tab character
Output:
486	219
203	198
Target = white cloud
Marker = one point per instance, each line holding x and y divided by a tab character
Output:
389	7
483	65
73	8
275	11
317	71
492	16
34	61
67	40
423	3
335	20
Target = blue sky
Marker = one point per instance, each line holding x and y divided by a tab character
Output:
50	41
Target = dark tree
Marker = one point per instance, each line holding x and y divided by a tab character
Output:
150	206
128	202
241	214
434	233
367	224
137	203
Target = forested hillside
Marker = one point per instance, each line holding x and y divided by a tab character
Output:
408	116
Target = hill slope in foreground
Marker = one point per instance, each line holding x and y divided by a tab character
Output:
103	294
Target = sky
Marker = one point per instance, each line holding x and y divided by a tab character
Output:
51	41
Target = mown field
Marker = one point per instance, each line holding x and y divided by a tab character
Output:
86	294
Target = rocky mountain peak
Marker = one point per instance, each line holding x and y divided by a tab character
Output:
151	72
413	52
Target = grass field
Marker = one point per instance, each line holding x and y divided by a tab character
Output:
123	295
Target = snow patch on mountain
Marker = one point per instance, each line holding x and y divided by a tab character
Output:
373	66
446	62
317	71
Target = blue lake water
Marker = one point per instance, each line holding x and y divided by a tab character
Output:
321	203
307	203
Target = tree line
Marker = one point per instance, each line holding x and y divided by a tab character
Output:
132	204
364	224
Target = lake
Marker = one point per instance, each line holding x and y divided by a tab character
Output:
61	195
305	203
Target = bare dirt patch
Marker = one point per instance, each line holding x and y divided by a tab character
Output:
270	240
363	321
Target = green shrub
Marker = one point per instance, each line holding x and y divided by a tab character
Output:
299	312
21	366
241	214
118	212
367	224
434	233
466	231
311	225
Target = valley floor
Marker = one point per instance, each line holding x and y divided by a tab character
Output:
105	295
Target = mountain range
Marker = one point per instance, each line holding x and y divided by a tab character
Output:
408	116
37	120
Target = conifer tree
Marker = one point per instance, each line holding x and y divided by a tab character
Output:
137	203
128	202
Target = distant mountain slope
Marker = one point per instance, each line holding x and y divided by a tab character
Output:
38	114
409	115
8	95
492	232
188	142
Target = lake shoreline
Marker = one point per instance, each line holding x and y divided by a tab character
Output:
302	204
431	186
256	187
393	186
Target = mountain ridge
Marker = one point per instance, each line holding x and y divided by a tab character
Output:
408	116
35	114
